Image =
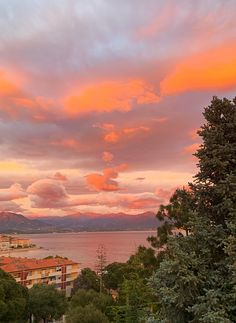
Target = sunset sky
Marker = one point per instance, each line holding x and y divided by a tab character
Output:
100	100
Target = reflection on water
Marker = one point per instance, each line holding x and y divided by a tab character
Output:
82	246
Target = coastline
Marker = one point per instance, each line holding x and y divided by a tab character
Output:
9	251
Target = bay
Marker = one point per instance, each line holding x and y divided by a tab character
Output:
82	246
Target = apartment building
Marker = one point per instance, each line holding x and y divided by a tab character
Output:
28	272
19	242
7	242
4	243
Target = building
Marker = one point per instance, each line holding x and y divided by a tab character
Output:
19	242
7	242
4	243
28	272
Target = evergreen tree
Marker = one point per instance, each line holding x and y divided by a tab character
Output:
196	280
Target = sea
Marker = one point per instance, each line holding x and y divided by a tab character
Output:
82	246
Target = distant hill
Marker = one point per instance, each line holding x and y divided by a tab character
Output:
99	222
12	222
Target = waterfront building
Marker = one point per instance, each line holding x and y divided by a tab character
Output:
58	271
4	243
7	242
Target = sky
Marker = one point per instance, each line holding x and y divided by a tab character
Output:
101	100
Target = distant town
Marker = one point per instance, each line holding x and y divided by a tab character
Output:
9	242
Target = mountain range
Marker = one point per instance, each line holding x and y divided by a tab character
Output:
12	222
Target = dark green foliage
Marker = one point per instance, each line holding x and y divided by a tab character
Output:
86	297
46	302
87	279
80	302
87	314
175	215
13	300
196	281
215	184
114	275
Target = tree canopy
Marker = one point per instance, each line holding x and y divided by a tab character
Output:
46	302
85	301
13	300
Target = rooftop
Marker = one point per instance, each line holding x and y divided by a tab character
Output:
13	264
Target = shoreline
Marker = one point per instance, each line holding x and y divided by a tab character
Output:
9	251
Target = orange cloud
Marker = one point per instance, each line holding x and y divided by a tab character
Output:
191	148
101	182
116	136
109	96
107	126
193	134
135	129
16	103
112	137
143	203
7	86
107	156
105	181
165	194
215	69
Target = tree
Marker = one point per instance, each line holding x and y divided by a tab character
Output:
85	297
114	275
101	264
13	300
144	261
196	279
134	300
46	302
175	215
87	314
87	279
84	300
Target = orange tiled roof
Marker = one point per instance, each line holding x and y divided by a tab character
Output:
13	264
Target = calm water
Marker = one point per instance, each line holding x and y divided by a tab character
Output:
82	246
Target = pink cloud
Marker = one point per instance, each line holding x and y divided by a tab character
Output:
59	177
14	192
68	143
11	206
47	193
107	156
